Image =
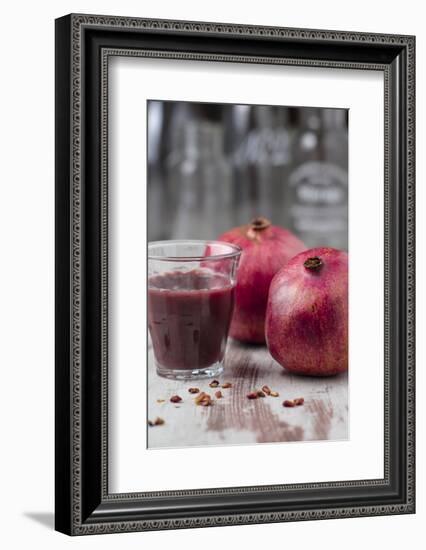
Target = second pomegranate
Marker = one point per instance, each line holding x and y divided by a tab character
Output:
266	249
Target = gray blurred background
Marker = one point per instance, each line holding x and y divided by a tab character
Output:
212	167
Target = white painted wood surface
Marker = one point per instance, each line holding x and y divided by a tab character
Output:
235	419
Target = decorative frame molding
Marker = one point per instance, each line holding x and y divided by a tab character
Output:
84	44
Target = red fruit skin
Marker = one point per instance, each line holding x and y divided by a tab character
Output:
264	252
307	314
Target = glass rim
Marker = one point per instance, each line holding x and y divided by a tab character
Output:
235	250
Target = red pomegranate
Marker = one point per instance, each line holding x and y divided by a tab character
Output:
307	315
265	249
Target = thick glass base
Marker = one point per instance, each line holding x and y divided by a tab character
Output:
195	374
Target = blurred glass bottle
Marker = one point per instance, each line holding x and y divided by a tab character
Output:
318	185
263	160
203	181
180	114
155	180
236	121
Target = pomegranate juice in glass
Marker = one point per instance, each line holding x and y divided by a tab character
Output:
191	286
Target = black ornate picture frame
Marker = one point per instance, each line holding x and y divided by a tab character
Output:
84	44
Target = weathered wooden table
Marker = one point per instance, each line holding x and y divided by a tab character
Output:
235	419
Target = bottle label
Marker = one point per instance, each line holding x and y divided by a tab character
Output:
319	203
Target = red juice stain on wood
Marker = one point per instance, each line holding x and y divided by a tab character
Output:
236	412
322	415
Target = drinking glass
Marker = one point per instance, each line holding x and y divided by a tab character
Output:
191	287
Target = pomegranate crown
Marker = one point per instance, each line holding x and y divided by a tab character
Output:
313	264
256	226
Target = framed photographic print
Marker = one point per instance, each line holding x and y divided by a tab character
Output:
234	274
